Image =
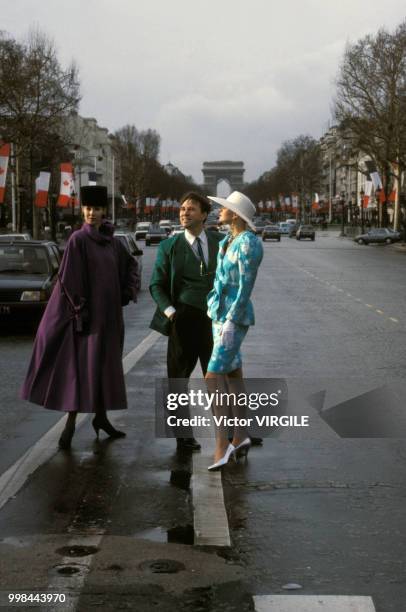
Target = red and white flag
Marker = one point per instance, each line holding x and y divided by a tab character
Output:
67	186
41	189
4	157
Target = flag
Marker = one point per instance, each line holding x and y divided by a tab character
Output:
374	174
125	203
367	194
4	157
315	205
41	189
66	190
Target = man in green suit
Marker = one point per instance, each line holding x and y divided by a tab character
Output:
182	277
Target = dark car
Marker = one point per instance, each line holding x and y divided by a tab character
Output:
381	235
132	247
306	231
28	273
271	232
155	235
141	229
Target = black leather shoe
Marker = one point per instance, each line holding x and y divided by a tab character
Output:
256	441
187	444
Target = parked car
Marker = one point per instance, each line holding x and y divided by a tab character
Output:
141	229
155	235
271	232
306	231
28	273
132	247
167	225
7	237
381	235
284	228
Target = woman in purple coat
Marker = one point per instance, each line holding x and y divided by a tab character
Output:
76	365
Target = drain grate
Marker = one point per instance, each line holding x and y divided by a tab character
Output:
77	551
162	566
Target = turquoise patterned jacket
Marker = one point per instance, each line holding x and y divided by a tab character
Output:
235	277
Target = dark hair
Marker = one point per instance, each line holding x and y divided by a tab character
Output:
198	198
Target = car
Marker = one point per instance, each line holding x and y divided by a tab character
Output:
141	229
306	231
259	227
132	247
382	235
7	237
28	273
155	235
271	232
284	228
167	225
177	229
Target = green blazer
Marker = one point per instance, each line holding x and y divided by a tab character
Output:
167	274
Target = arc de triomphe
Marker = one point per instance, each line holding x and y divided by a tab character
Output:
215	171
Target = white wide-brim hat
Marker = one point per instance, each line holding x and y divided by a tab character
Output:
240	205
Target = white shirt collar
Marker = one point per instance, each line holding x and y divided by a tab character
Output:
191	237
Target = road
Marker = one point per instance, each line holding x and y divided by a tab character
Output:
318	511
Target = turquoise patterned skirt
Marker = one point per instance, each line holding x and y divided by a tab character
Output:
225	360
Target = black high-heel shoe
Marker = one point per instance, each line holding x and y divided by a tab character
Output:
242	449
102	422
65	440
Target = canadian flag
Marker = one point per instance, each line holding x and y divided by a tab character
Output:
67	186
41	189
4	156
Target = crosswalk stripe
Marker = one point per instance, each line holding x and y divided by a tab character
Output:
313	603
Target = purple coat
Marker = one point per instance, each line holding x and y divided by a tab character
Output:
76	364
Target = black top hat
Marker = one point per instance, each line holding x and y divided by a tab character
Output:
94	195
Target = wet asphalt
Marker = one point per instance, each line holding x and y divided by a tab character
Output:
314	510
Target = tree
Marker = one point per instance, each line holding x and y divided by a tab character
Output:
36	95
371	99
137	154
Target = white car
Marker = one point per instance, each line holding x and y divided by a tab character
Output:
15	237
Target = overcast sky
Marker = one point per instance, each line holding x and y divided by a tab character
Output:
218	79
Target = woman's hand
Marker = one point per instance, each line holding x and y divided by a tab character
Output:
228	334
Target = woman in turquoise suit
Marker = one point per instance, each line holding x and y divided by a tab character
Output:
232	312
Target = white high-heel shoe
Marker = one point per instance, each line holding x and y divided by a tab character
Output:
224	460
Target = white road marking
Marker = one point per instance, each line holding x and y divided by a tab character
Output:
14	478
369	305
379	311
349	294
209	512
139	351
313	603
394	320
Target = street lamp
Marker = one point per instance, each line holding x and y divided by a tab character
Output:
342	213
362	195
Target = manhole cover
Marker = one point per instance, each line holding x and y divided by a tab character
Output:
162	566
77	551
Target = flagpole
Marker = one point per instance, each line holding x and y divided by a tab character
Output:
113	202
13	187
